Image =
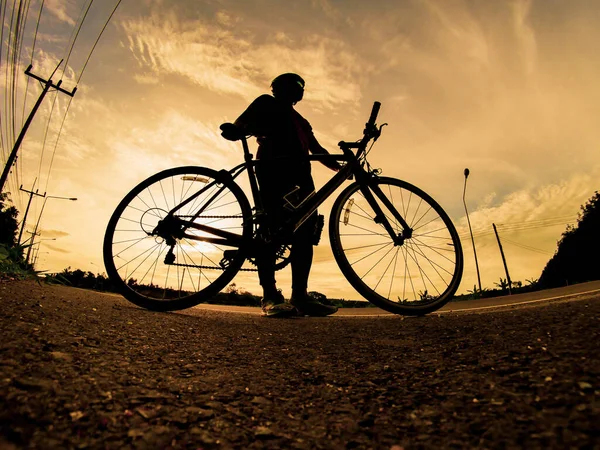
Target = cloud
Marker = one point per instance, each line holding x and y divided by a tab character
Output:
235	61
145	78
56	249
529	222
49	234
59	8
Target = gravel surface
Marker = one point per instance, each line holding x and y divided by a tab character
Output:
82	369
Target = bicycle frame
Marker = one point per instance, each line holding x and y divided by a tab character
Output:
353	167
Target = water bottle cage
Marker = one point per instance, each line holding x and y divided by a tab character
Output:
292	200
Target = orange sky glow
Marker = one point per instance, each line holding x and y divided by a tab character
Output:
508	89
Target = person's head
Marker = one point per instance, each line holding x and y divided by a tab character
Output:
288	87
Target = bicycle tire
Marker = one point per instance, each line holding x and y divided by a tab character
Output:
135	259
415	278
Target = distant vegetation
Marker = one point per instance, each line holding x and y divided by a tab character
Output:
575	261
576	258
12	262
232	295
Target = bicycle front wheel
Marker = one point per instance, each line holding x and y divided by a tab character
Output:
413	278
167	262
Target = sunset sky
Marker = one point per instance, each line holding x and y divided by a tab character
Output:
508	89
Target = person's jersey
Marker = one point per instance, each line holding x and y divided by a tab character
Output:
279	129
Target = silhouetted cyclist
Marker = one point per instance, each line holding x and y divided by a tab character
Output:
285	139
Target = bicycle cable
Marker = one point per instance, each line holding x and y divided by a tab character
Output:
364	157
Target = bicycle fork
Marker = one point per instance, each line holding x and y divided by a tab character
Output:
368	188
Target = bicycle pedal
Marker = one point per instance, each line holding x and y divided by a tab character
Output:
228	256
170	257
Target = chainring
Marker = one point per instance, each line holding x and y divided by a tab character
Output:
282	257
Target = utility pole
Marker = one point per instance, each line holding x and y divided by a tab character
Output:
466	173
48	84
37	224
31	194
503	260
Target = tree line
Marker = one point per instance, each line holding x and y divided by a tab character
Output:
574	261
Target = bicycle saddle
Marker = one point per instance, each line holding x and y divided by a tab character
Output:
231	132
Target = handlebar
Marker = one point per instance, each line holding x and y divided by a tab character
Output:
374	112
371	132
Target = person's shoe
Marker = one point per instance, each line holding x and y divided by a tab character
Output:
276	306
308	306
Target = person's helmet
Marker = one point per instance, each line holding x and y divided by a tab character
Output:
288	86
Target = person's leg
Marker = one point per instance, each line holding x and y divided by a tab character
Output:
273	303
265	262
301	257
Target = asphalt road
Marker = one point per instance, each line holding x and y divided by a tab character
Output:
510	301
81	369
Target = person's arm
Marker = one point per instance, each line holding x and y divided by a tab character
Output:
318	149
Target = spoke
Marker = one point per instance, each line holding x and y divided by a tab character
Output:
202	197
407	274
156	264
234	201
386	269
151	249
166	281
203	254
127	248
130	240
436	217
371	233
412	222
133	221
373	252
365	246
422	272
151	211
185	257
370	218
162	190
354	213
174	203
146	204
153	200
377	263
412	245
393	273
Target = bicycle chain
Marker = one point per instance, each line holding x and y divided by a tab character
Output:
210	267
212	217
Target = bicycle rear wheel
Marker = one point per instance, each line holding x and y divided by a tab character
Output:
414	278
160	264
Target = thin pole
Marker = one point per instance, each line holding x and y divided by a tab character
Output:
34	234
31	194
470	230
503	260
47	85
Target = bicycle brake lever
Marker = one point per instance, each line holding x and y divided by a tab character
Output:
378	132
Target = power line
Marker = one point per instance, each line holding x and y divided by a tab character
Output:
75	34
98	39
526	247
37	26
521	226
72	39
77	83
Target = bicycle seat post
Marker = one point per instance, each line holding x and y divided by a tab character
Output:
248	157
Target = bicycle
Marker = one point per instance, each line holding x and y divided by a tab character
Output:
179	237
